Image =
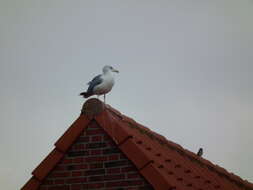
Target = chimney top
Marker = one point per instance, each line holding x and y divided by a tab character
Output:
92	107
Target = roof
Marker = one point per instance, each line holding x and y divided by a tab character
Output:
163	163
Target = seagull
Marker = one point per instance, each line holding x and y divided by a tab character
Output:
200	152
101	84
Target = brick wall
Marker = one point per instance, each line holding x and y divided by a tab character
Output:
94	162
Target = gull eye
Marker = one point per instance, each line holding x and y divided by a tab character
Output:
111	68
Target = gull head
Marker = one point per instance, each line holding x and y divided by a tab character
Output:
108	68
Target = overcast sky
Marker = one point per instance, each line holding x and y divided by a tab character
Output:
185	72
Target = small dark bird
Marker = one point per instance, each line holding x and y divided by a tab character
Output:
101	84
200	152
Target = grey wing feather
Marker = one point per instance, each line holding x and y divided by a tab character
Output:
95	81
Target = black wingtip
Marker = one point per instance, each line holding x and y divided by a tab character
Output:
85	94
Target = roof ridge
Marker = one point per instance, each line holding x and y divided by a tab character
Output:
113	122
174	146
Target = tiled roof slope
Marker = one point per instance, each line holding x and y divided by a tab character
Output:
164	164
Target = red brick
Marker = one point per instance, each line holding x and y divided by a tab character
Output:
59	181
95	132
117	163
96	165
66	161
124	183
122	156
78	160
114	177
113	157
95	152
84	139
77	173
133	175
106	138
94	125
95	172
61	187
43	188
94	186
95	159
128	169
96	138
48	182
113	170
96	178
60	174
78	167
96	145
133	183
76	187
76	180
110	143
79	147
114	184
59	168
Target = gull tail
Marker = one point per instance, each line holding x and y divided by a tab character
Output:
85	94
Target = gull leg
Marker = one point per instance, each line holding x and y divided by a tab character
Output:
104	98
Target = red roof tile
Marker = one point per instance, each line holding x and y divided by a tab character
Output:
74	131
47	164
32	184
164	164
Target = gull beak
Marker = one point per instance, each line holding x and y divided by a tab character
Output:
114	70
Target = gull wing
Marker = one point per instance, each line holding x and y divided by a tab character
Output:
94	82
